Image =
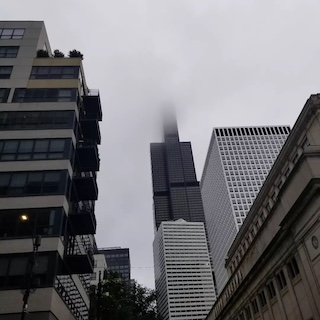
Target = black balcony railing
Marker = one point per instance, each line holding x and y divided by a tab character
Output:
92	105
71	296
90	129
78	256
82	218
88	157
85	186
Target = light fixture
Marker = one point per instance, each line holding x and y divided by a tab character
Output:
24	217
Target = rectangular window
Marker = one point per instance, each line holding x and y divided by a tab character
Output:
8	33
19	120
35	149
33	183
55	72
5	72
4	93
45	95
281	279
8	52
293	268
262	298
255	306
271	290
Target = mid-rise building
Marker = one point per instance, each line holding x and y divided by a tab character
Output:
183	276
49	123
236	166
274	261
118	260
100	267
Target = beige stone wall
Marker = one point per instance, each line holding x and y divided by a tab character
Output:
277	247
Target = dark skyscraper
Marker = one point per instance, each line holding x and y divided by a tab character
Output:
176	191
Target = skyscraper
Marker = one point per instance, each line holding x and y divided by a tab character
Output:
184	279
236	166
176	191
48	162
183	275
118	260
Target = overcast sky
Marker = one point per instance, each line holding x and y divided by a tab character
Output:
220	62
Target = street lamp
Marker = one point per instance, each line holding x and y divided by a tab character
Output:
36	242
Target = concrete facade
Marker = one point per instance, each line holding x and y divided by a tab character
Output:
274	262
183	276
42	128
236	166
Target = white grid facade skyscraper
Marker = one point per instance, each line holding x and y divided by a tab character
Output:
183	275
236	166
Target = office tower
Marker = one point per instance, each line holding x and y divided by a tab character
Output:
176	191
236	166
48	162
183	273
178	211
118	260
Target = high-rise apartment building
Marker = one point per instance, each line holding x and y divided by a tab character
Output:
49	123
176	191
236	166
183	275
118	260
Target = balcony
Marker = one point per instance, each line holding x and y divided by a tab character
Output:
92	105
85	187
78	258
88	157
82	218
90	130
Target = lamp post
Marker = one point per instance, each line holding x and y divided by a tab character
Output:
36	242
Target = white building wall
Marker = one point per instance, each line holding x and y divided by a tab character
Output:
183	274
238	161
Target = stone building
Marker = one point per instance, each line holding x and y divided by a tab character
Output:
274	262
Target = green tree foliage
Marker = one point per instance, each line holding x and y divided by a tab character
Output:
119	300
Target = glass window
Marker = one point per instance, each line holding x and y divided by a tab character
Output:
10	146
4	93
57	145
11	33
17	183
8	52
5	72
26	146
41	146
34	183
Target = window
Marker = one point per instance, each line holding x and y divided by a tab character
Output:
44	95
271	290
293	268
35	149
4	93
262	298
281	279
36	120
33	183
55	72
255	306
11	33
5	72
248	313
8	52
44	221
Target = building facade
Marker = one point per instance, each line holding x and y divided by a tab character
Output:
274	262
183	273
48	162
176	191
118	260
179	216
236	166
100	267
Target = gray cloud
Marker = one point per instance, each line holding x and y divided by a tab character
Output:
221	63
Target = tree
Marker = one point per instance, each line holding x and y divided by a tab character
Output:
119	300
